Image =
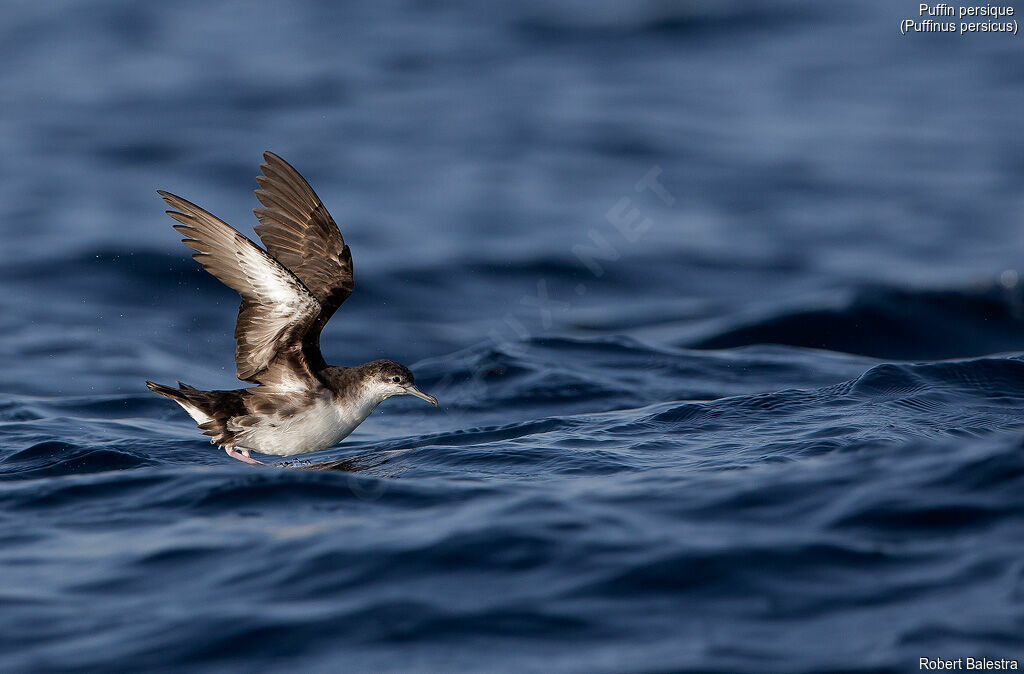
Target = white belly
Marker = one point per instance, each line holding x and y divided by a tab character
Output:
323	425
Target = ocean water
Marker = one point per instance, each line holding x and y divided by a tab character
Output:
722	301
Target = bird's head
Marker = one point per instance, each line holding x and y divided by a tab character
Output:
388	378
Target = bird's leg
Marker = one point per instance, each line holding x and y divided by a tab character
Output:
242	456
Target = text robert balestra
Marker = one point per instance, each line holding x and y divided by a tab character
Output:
972	664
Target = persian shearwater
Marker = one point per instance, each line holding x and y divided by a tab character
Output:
289	291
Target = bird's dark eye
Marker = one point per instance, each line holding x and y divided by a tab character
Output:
396	379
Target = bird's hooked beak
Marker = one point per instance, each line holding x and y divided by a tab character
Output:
413	391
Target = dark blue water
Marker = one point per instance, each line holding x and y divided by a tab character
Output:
772	421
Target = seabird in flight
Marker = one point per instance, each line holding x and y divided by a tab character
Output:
289	291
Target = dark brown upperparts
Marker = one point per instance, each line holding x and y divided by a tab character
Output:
288	291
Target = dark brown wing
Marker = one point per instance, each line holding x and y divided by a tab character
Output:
298	231
277	310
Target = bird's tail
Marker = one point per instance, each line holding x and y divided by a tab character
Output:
191	399
211	410
177	394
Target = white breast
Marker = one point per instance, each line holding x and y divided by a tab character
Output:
320	426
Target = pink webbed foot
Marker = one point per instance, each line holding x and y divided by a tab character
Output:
242	456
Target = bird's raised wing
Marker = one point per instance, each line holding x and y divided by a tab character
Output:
297	230
277	309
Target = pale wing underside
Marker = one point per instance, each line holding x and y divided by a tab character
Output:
277	309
